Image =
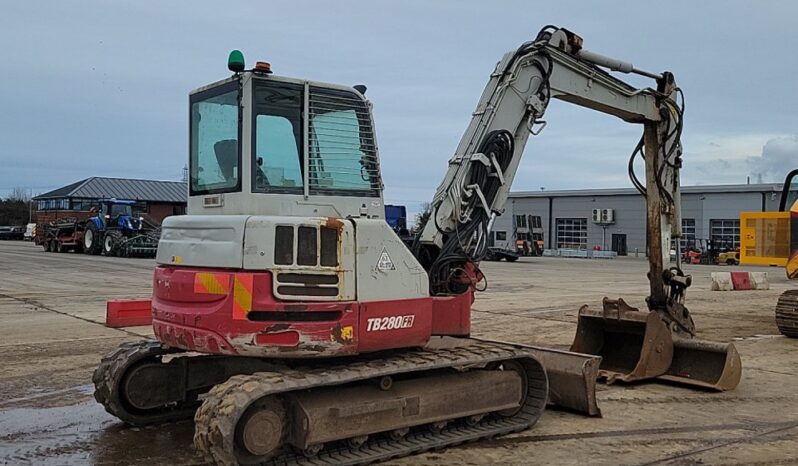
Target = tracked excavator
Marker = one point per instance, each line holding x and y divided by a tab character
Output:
297	328
787	306
771	238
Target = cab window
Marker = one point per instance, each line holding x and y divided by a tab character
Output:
343	152
214	163
277	137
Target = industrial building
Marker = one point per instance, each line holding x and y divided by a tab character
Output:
154	199
615	219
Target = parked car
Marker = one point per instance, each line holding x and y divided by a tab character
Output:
14	233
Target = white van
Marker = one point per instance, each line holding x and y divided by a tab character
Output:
30	232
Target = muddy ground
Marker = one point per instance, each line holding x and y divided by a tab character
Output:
51	337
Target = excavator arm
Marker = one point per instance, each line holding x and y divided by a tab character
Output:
477	184
511	109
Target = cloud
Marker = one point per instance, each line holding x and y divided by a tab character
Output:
779	155
117	104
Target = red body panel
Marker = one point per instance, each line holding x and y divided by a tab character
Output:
233	312
394	324
451	315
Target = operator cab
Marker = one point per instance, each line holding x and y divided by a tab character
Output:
112	211
789	194
115	209
267	145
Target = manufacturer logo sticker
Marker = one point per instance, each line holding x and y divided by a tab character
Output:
389	323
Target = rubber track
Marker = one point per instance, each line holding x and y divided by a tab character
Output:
112	369
787	313
224	405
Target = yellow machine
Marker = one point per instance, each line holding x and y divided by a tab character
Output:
771	238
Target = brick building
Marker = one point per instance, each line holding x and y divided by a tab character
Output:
153	199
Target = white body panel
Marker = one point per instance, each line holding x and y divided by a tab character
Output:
379	278
373	263
286	204
202	241
259	254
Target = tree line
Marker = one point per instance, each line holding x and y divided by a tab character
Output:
14	209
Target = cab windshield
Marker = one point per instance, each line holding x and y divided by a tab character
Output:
121	209
215	157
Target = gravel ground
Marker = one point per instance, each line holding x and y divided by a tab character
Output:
52	308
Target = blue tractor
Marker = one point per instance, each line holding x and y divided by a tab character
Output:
115	231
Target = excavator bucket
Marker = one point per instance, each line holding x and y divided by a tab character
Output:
704	364
637	345
572	379
633	344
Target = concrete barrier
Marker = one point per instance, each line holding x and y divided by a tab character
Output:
759	280
728	281
721	281
580	253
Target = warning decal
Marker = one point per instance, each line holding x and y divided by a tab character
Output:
385	262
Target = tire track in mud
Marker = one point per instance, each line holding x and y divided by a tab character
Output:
715	445
748	426
702	400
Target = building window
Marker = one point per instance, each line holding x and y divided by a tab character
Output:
501	236
725	233
53	204
688	233
572	233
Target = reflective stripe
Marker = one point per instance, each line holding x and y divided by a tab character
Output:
242	295
211	283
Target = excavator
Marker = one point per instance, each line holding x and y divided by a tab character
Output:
295	326
771	238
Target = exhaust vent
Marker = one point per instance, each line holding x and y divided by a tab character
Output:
307	284
212	201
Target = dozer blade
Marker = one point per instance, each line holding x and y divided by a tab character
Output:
572	376
704	364
633	344
572	379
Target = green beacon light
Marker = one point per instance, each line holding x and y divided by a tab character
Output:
235	62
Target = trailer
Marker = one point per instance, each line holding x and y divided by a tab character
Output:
63	235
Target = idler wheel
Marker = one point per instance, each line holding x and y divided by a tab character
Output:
261	431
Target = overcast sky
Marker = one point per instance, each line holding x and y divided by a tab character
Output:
99	88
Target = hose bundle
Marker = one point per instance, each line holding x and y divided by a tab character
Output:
467	242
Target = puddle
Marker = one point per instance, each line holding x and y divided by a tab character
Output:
83	433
